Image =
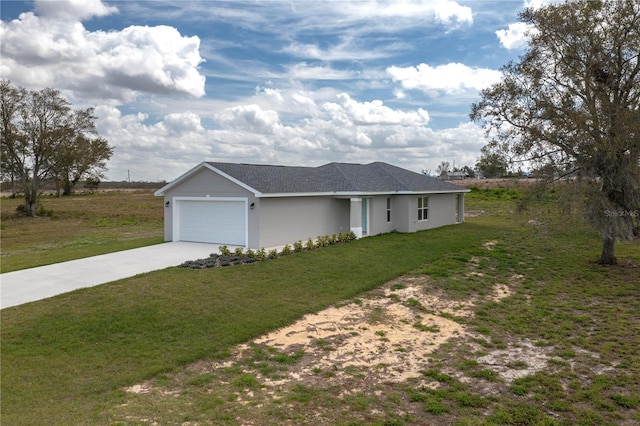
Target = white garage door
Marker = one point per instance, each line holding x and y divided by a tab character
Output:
220	222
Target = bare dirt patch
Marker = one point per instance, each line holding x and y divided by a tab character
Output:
386	336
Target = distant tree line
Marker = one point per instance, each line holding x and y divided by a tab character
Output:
44	139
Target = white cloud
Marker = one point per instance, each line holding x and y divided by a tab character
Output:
303	71
449	78
182	123
516	36
349	111
537	4
250	118
39	51
344	129
76	10
444	11
450	11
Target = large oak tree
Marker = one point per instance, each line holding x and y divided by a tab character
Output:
573	101
42	138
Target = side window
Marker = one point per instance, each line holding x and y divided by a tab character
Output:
388	209
423	208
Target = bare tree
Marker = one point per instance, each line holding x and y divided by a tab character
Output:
38	128
443	168
573	101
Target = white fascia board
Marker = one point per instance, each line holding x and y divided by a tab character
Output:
349	194
361	194
234	180
295	194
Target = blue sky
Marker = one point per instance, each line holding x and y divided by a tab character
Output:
293	82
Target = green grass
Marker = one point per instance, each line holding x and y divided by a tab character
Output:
79	226
67	360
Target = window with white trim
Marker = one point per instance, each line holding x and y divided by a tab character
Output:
423	208
388	209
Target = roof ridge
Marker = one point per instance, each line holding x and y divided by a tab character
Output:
343	177
384	168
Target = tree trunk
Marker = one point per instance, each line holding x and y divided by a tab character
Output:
608	252
30	204
68	187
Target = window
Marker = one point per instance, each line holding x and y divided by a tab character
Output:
388	209
423	208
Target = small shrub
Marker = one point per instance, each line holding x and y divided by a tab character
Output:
238	252
224	251
286	250
298	247
261	254
250	254
310	244
273	254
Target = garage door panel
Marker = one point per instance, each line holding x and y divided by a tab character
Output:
221	222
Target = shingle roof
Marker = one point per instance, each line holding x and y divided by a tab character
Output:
333	177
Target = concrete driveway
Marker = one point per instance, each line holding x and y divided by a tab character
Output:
38	283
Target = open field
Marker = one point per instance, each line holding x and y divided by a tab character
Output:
79	226
506	319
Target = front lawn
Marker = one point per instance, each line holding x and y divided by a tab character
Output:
70	359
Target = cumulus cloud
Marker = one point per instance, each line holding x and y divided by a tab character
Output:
349	111
251	118
344	129
54	49
76	10
182	123
517	35
448	78
450	11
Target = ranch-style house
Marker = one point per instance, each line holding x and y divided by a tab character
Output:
256	206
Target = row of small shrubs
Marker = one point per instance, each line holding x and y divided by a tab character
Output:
239	256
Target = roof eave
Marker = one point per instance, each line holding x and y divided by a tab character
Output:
357	193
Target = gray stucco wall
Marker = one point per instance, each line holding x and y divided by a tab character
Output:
442	212
378	215
286	220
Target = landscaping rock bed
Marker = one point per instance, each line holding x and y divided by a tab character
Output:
241	257
216	261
